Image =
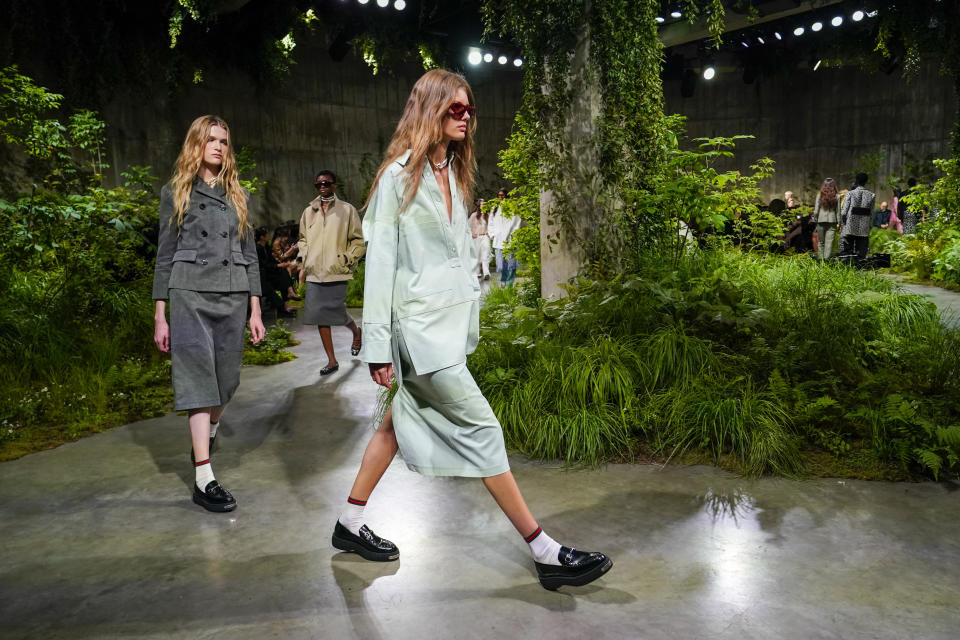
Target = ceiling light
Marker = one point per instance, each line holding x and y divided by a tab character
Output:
817	66
858	16
709	73
400	5
761	40
777	34
745	44
488	57
837	21
799	31
872	14
382	3
363	1
816	26
675	14
660	19
502	59
474	57
517	62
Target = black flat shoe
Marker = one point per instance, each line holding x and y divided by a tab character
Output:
214	498
368	544
210	450
356	346
576	569
328	370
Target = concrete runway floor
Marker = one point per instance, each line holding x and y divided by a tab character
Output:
99	539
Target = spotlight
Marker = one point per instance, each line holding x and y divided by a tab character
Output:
660	19
382	3
816	26
400	5
872	14
817	66
858	16
488	57
517	62
474	57
709	73
676	14
837	21
778	36
745	44
799	31
761	40
502	59
363	1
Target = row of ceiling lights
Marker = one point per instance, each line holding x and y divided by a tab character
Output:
399	5
710	72
475	57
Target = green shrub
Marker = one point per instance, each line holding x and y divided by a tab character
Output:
272	349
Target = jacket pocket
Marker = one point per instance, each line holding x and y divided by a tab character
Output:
424	303
239	259
185	255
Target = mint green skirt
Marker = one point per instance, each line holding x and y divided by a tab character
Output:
444	425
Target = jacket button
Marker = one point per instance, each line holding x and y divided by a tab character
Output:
204	261
203	206
223	207
226	262
204	233
223	234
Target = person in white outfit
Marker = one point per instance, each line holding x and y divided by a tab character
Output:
500	229
481	241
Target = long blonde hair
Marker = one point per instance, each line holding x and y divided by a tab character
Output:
188	165
421	129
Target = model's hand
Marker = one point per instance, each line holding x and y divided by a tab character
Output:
382	373
161	334
256	324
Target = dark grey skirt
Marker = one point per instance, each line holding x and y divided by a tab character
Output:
206	346
326	304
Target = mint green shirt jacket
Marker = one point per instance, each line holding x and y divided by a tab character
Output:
419	284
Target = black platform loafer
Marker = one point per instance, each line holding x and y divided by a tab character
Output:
368	544
210	450
328	370
214	498
576	569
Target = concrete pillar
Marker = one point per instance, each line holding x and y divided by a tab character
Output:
560	254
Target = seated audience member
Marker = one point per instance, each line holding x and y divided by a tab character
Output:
273	279
881	217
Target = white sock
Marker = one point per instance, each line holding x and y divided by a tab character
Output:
204	474
213	428
545	549
352	515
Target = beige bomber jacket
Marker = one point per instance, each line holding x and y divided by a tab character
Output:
331	244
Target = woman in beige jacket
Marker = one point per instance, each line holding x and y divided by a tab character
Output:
331	244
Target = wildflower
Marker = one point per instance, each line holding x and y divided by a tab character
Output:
44	390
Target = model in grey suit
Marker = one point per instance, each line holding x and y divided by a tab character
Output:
856	217
207	269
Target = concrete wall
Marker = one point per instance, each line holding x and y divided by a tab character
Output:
820	124
328	115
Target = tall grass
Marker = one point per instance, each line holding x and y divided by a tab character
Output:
749	358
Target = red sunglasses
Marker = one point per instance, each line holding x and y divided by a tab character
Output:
458	110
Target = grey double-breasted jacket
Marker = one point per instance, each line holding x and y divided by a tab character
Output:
206	254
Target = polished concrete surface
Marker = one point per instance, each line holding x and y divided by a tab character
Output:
99	539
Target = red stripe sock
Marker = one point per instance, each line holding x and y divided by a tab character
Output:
530	538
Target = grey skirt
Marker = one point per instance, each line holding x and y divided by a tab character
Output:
326	304
206	346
